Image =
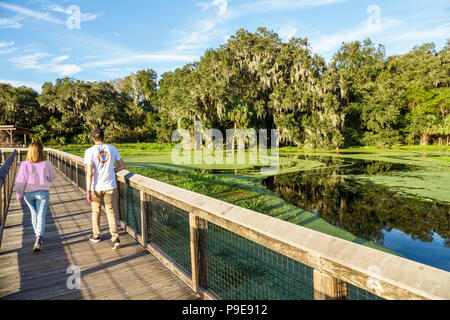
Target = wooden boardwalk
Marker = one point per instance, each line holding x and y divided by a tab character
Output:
128	273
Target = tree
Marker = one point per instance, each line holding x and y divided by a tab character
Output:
19	107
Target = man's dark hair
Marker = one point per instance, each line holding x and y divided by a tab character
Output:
98	134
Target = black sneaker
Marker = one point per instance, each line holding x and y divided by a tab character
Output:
94	239
116	244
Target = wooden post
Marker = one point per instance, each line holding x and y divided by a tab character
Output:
2	203
195	257
7	178
118	201
202	238
143	199
149	217
328	288
76	174
199	264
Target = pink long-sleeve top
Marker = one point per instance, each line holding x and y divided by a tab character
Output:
34	176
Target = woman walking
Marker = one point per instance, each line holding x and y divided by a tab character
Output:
33	185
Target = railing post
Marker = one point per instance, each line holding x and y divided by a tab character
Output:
195	256
8	186
142	197
328	288
199	252
76	174
2	202
70	170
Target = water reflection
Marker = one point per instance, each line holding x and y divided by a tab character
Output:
366	210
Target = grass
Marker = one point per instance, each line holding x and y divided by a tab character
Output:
125	148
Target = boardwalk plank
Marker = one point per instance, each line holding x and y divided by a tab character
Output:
128	273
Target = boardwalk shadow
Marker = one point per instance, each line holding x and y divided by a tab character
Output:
127	273
42	273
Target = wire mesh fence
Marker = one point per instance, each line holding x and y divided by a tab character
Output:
355	293
242	269
170	231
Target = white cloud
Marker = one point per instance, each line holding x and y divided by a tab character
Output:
7	50
287	32
363	30
31	13
222	6
217	12
204	30
6	47
139	58
36	61
18	83
439	32
84	16
203	5
43	16
6	23
4	44
59	59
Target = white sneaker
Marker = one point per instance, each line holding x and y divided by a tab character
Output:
116	244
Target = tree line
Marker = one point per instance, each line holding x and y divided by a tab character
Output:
255	80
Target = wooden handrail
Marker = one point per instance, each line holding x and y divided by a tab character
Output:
7	176
333	259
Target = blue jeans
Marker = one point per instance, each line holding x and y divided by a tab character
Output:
38	202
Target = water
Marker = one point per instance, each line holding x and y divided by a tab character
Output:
417	228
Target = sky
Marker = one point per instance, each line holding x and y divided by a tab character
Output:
100	40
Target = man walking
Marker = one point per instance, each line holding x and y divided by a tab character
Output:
101	184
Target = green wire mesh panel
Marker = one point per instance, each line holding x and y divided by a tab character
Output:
355	293
170	232
130	206
242	269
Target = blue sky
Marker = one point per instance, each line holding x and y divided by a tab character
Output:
99	40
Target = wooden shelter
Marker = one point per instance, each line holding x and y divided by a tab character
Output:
14	130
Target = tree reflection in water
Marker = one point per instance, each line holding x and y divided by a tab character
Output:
365	210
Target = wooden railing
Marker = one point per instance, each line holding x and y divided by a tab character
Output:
336	264
7	176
